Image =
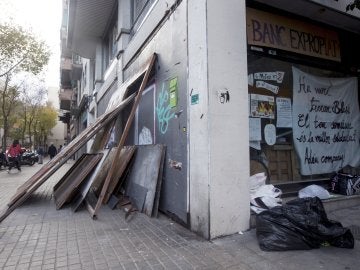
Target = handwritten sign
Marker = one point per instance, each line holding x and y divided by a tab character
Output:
326	122
269	30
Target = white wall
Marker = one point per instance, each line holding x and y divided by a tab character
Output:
219	159
229	122
199	163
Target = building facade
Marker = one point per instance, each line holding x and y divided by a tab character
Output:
223	85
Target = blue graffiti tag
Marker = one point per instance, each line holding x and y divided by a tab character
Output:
163	110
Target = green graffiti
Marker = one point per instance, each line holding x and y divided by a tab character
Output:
163	110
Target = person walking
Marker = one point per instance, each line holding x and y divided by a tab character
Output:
40	152
52	151
13	154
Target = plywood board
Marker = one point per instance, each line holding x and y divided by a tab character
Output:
85	186
72	180
125	156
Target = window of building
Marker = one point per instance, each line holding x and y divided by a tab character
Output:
140	9
110	45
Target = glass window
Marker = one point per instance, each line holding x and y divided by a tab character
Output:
270	84
140	9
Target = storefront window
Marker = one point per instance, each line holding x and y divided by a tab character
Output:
303	120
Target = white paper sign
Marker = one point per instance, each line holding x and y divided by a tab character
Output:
270	134
255	129
283	112
326	122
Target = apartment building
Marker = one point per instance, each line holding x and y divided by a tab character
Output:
238	87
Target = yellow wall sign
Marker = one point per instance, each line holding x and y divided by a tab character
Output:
269	30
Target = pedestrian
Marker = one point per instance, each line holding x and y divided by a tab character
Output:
52	150
14	155
40	152
60	147
3	159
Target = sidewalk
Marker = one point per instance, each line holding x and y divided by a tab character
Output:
37	236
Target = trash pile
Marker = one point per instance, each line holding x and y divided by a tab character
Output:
262	196
300	224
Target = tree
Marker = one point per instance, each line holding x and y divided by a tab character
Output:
19	51
8	103
45	120
32	95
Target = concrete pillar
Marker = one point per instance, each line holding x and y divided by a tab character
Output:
98	68
218	118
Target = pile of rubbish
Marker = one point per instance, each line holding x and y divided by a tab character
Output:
300	224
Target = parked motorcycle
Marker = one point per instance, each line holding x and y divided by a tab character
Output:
29	158
3	161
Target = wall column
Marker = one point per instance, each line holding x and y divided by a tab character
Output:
219	134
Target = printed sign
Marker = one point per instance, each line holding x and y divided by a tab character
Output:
262	106
270	30
326	122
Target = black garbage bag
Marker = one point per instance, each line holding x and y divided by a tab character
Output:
300	224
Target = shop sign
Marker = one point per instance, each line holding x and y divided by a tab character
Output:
273	31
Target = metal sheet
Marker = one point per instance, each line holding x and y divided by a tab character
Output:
137	195
145	173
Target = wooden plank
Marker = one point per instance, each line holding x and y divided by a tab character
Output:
71	181
124	135
63	179
86	185
125	156
102	138
32	184
54	164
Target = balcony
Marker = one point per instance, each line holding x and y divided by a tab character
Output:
87	23
65	97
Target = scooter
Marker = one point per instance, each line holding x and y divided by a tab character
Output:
29	158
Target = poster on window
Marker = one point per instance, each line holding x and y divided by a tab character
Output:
262	106
326	122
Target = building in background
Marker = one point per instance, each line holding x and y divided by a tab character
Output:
58	133
228	77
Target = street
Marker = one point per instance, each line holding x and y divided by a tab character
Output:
37	236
